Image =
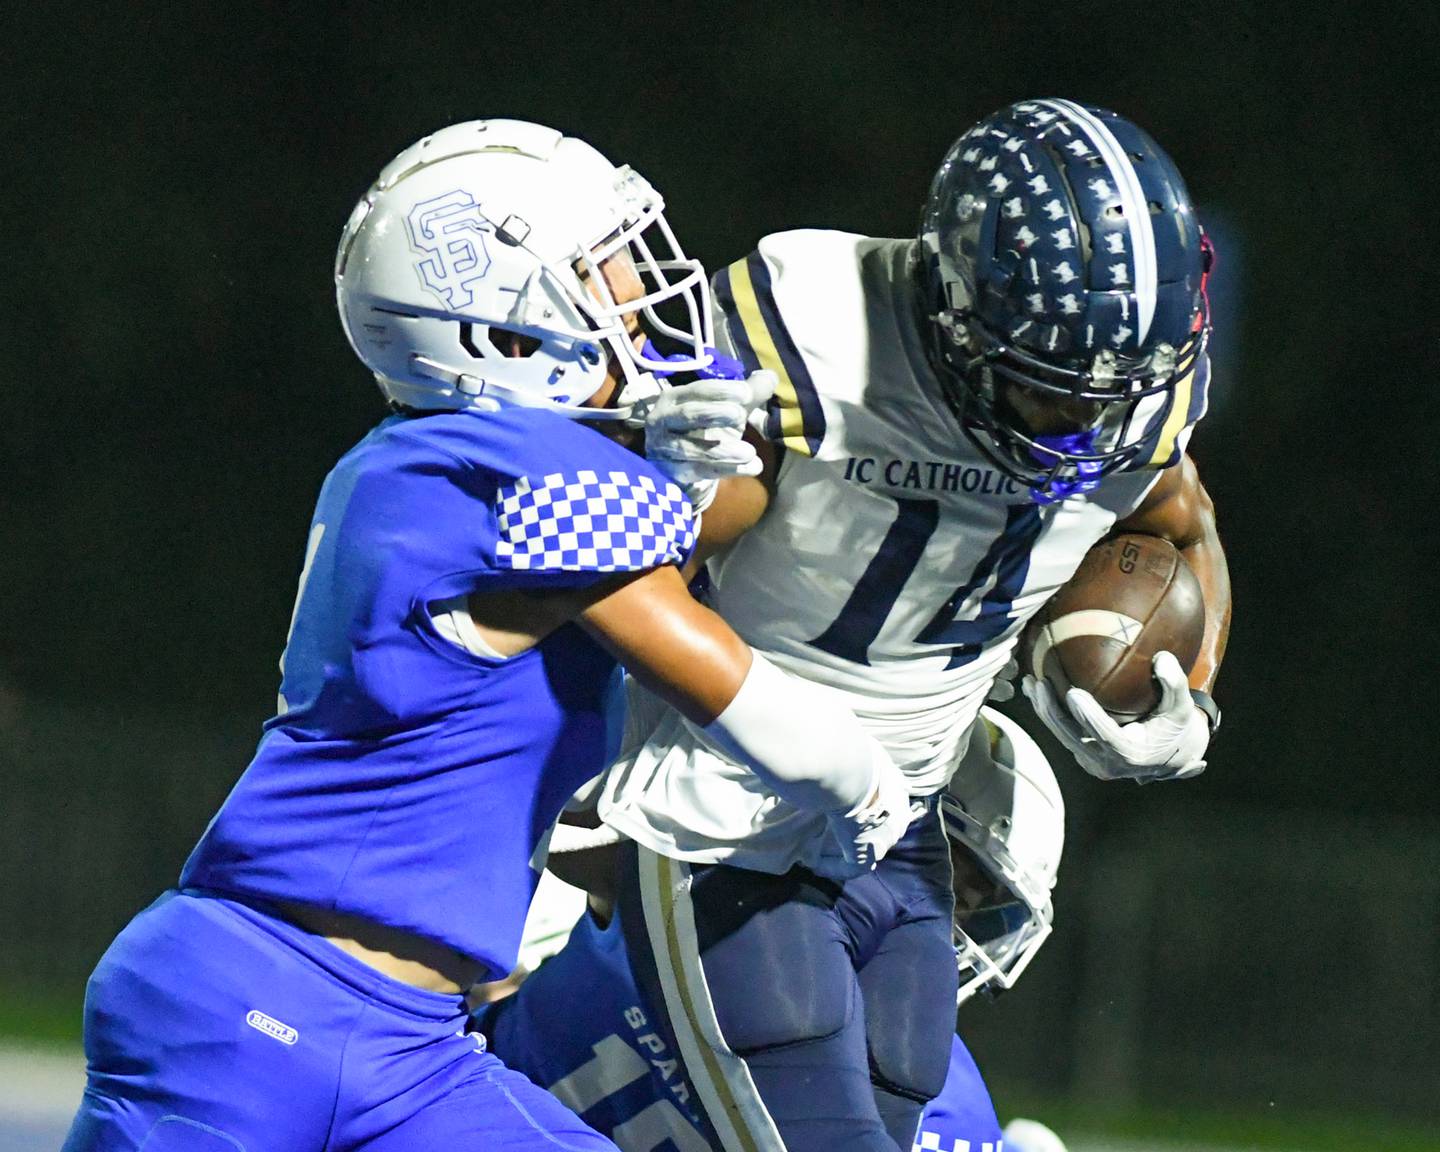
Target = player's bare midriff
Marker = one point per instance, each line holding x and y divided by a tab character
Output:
404	956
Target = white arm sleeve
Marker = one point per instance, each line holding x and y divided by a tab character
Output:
797	737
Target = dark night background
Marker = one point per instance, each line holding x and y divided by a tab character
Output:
176	386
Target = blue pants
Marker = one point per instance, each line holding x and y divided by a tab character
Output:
213	1027
806	1010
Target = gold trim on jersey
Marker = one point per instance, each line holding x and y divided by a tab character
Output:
720	1077
1186	407
762	343
1175	422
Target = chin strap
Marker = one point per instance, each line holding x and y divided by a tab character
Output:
638	394
634	396
490	395
1087	472
720	367
639	391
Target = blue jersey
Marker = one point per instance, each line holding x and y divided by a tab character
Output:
404	779
581	1027
963	1110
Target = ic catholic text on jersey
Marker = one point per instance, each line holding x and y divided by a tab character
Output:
930	476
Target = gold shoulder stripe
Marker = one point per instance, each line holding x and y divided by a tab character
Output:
762	343
1176	420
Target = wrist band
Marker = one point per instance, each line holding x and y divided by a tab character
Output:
1206	703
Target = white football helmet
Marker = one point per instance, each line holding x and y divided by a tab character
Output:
1003	804
486	239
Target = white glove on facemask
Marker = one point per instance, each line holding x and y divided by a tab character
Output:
695	433
1168	744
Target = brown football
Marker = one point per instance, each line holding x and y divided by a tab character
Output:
1131	597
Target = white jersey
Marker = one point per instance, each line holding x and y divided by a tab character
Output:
895	564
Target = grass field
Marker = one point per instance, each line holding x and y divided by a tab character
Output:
32	1016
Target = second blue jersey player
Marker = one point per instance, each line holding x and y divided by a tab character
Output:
475	568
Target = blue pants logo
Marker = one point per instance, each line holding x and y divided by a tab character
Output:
272	1027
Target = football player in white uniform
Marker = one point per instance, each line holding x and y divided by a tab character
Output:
959	419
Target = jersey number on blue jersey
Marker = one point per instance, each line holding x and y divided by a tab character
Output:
614	1067
1003	568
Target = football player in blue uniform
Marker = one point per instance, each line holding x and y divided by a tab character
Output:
582	1027
959	417
475	568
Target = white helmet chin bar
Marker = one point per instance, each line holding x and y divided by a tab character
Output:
1003	805
497	229
490	395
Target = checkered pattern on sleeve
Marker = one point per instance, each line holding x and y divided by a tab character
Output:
578	522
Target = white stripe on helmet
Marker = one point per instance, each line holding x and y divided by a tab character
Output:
1132	197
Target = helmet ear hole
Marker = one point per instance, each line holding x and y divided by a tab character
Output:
492	341
515	345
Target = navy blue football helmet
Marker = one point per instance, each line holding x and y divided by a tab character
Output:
1064	274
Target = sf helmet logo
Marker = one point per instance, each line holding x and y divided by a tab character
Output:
447	231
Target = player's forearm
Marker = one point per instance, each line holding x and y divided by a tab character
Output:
1206	558
1199	543
673	646
799	738
1180	510
739	503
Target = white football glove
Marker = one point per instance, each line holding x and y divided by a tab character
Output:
694	433
868	832
1168	744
